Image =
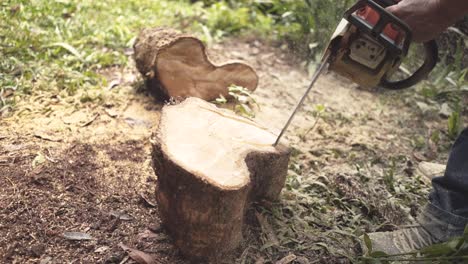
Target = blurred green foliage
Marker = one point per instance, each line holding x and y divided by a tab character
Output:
305	25
61	44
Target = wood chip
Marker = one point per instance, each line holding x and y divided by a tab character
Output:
77	236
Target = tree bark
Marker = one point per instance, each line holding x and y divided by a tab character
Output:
211	165
175	65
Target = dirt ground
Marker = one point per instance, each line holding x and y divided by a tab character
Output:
66	168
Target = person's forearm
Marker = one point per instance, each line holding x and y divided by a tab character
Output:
454	9
428	18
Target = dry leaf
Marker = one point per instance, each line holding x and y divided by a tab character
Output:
139	256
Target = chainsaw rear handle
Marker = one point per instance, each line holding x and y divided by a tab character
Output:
430	47
432	55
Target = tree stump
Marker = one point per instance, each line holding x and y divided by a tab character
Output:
211	165
175	65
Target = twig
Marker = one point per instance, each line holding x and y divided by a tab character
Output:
12	184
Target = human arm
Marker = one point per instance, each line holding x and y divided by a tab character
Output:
429	18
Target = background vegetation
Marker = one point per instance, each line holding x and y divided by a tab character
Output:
60	44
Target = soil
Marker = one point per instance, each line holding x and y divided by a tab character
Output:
87	169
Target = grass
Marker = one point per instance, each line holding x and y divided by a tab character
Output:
60	46
322	216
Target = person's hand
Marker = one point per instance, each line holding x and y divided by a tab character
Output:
429	18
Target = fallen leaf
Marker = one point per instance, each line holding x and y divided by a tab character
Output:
77	236
139	256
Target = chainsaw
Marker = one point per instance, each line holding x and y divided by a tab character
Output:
368	47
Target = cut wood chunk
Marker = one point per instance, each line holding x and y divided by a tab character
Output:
211	165
176	66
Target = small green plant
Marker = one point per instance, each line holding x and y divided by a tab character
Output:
317	113
454	125
242	99
389	177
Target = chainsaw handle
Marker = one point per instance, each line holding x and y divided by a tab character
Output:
432	55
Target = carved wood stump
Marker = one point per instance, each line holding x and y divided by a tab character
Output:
211	165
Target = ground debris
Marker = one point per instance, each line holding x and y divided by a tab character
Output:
139	256
47	136
147	234
267	229
121	215
288	259
147	201
78	236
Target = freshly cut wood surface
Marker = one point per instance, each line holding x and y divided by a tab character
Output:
175	65
211	165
